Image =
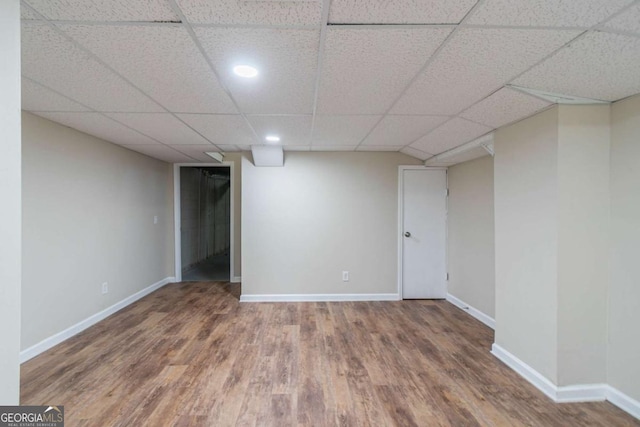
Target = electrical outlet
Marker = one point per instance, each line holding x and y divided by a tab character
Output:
345	276
105	288
155	219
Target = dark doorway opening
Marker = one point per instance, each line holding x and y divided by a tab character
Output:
205	222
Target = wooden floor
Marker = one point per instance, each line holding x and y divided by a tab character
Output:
191	354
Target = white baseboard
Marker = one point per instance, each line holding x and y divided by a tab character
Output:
565	394
236	279
318	297
489	321
624	402
56	339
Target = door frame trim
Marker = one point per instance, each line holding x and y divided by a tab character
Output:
401	170
177	237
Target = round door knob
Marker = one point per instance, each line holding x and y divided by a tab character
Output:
407	234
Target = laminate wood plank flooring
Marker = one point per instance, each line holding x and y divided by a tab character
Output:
190	354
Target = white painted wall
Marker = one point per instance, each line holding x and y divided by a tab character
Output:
88	208
10	216
471	234
583	242
623	367
321	214
526	224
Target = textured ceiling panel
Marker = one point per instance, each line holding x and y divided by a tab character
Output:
402	130
26	13
365	69
221	129
627	21
556	13
342	130
475	63
105	10
333	147
286	61
99	126
252	12
50	59
451	134
418	154
162	61
292	130
297	148
598	66
378	148
197	151
161	152
38	98
399	11
503	107
163	127
233	148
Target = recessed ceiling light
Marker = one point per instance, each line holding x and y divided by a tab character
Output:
245	71
272	138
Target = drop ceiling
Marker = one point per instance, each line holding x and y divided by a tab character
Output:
422	77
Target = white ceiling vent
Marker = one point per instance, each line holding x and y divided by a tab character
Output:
218	157
267	156
557	98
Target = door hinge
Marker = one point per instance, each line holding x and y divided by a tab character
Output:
447	276
447	192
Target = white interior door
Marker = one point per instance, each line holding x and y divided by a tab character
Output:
423	228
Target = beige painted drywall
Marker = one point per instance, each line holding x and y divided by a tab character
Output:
321	214
10	217
526	221
583	242
623	369
88	208
471	234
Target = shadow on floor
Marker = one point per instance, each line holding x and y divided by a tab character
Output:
215	268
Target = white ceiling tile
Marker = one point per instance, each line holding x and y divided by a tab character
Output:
366	69
464	156
399	11
162	127
475	63
556	13
230	148
402	130
418	154
286	61
297	148
26	13
221	129
333	147
342	130
292	130
599	66
161	152
455	132
197	152
50	59
378	148
627	21
104	10
252	12
38	98
503	107
162	61
99	126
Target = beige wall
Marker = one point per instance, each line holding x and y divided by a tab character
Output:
10	254
321	214
526	221
624	293
471	234
583	242
88	209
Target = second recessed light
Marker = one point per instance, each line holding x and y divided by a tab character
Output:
272	138
245	71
